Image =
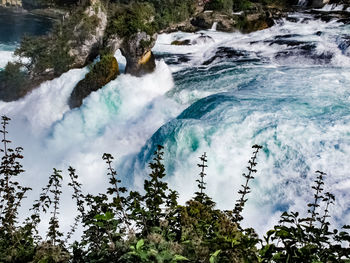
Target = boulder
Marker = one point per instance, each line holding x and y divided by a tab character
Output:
184	42
102	72
137	51
319	3
202	39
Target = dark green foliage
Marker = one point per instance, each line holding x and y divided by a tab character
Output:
172	11
239	5
127	20
220	5
101	73
129	227
16	242
237	216
307	239
48	54
155	189
13	81
54	234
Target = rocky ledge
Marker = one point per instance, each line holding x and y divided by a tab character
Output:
94	30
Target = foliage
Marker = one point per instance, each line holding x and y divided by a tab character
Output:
127	20
100	74
46	55
133	227
13	81
219	5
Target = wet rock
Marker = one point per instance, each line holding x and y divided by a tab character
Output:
318	3
137	51
185	42
225	22
286	36
173	59
344	44
289	42
202	39
202	21
230	54
306	52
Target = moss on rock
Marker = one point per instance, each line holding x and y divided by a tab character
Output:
102	72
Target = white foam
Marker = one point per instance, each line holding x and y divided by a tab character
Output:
5	57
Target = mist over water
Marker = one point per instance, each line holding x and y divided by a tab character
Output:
285	88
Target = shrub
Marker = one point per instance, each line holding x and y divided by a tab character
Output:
130	227
220	5
127	20
14	82
101	73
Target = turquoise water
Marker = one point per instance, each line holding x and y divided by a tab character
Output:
14	25
285	88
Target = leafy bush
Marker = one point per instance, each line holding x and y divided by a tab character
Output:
127	20
14	81
130	227
219	5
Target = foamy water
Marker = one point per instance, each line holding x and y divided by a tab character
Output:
285	88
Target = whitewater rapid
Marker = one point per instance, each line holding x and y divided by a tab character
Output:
285	88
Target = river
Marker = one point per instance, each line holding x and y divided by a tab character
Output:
285	88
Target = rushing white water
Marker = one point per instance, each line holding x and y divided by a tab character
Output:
285	88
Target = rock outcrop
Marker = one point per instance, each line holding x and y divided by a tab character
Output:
137	51
88	34
103	72
256	18
319	3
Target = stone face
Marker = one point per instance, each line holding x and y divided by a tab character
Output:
88	49
137	51
319	3
103	72
114	43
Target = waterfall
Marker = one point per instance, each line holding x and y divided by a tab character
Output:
213	27
302	2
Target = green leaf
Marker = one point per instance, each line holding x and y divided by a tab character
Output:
214	256
139	244
179	258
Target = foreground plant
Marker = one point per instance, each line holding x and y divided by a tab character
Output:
132	227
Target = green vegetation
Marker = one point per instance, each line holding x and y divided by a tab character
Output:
127	20
128	226
47	55
100	74
220	5
149	16
13	81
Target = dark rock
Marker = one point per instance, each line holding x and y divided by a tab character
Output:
103	72
203	39
137	51
305	52
173	59
288	42
185	42
318	3
286	36
230	54
344	44
202	22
